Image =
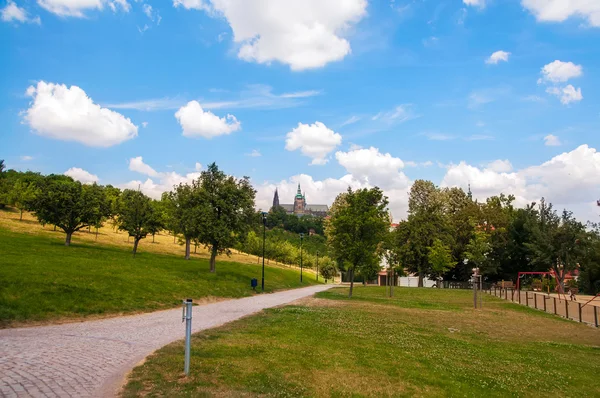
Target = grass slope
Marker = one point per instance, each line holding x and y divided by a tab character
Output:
41	279
423	342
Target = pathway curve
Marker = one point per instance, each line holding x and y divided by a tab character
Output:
90	359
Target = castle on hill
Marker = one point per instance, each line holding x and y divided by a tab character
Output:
299	207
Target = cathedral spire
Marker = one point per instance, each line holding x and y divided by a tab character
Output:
469	194
276	199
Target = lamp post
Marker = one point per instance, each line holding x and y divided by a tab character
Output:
301	238
317	265
264	219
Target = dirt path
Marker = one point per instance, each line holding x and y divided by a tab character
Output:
91	358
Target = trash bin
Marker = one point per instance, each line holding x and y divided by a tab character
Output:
254	283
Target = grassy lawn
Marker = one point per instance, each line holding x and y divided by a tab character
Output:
41	279
423	342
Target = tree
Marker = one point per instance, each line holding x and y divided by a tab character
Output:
185	212
477	252
134	214
440	259
157	222
66	204
427	220
22	195
559	242
359	221
226	209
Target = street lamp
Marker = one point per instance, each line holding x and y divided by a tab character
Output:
317	265
264	219
301	238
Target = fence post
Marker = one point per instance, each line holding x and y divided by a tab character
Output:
545	298
527	299
567	308
535	300
519	291
595	316
512	295
579	305
554	306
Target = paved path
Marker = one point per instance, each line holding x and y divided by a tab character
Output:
91	358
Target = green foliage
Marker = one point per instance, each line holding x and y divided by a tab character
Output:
359	222
22	195
69	205
226	208
135	215
477	252
440	258
278	218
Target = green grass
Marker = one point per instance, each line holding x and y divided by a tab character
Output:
41	279
423	342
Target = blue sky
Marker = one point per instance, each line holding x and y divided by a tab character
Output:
502	95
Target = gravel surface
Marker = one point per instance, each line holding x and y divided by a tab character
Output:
91	358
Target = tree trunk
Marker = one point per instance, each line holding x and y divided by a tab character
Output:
135	246
195	248
152	238
351	272
187	248
96	233
21	216
174	236
55	228
420	284
213	258
68	240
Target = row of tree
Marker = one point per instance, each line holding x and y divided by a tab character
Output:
447	234
215	210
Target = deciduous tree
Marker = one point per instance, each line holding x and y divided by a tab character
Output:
359	221
134	212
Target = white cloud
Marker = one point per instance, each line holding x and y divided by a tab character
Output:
500	166
314	140
68	114
192	4
255	96
351	120
303	34
254	154
438	136
160	181
81	175
560	72
371	167
475	3
569	180
196	122
399	114
552	140
137	164
566	94
561	10
26	158
497	57
12	12
144	124
77	8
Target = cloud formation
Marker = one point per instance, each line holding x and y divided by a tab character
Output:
77	8
561	10
13	13
497	57
68	114
196	122
81	175
315	141
304	34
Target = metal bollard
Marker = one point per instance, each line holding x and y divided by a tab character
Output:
595	316
187	317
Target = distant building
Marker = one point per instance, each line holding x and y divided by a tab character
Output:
299	207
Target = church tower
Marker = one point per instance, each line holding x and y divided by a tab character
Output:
299	202
276	200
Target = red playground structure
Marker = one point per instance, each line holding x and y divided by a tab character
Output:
550	273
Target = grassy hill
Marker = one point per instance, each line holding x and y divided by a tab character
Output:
42	280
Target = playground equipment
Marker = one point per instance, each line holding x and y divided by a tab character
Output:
590	300
550	274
